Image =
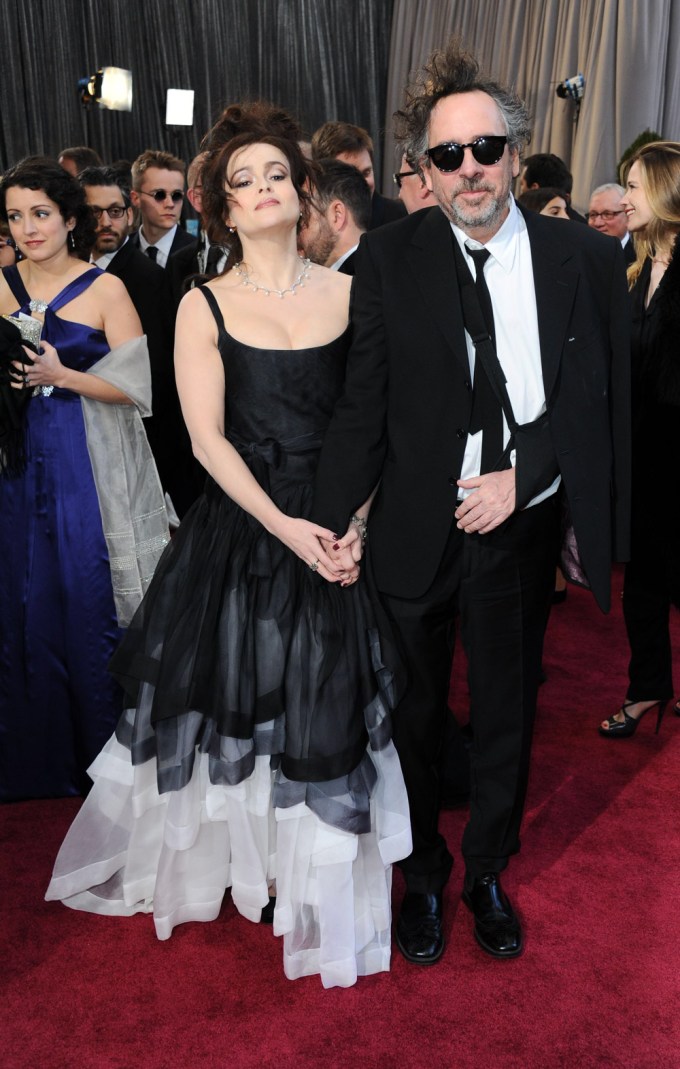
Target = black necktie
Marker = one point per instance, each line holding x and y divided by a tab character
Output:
214	257
487	414
152	252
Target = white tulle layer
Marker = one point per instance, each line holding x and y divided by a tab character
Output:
132	850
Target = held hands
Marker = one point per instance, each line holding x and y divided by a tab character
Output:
491	503
346	552
45	369
313	545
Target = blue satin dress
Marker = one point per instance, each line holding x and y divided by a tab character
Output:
58	625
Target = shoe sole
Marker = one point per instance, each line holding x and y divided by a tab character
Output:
416	960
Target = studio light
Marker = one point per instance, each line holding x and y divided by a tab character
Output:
110	88
179	107
572	88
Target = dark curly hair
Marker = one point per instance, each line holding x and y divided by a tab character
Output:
447	72
240	125
41	172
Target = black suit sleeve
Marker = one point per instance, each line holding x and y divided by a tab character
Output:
354	447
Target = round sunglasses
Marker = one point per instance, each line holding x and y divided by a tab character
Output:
159	195
448	157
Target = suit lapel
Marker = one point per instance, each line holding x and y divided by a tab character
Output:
555	283
430	255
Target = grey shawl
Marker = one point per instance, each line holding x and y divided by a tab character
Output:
131	500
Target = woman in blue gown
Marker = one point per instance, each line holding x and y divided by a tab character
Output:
58	620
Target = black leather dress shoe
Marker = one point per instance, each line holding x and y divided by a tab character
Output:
419	928
497	928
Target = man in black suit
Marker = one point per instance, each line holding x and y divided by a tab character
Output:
158	193
147	285
453	529
339	214
354	145
606	215
546	170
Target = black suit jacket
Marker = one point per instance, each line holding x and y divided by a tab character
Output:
406	409
180	266
347	267
385	210
149	291
180	241
629	252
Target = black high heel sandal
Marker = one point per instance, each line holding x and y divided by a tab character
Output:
623	729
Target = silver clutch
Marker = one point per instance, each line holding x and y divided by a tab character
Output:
29	328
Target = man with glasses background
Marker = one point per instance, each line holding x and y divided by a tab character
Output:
606	215
158	194
116	252
413	193
465	520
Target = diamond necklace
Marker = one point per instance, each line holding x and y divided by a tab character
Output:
299	281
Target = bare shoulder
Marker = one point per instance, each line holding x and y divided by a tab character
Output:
333	286
110	288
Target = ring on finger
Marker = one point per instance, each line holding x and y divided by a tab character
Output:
315	565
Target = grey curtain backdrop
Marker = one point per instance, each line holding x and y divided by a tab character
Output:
321	59
627	50
335	59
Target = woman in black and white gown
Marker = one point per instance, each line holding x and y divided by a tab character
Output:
256	748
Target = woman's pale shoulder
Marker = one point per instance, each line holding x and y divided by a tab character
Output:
336	281
109	286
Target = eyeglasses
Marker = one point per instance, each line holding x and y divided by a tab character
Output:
607	216
449	156
402	174
159	195
116	211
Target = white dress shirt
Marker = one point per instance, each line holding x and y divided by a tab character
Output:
163	246
510	280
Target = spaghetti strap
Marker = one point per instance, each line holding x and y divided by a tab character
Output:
214	308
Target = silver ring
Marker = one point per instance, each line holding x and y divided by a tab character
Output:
314	565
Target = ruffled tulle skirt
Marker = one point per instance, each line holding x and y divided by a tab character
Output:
256	749
133	850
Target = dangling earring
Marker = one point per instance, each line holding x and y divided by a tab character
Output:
71	241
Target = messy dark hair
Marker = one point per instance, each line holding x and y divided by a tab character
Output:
240	125
447	72
336	180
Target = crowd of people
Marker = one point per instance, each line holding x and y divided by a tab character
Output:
382	417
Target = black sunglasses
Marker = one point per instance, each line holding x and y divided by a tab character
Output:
449	156
402	174
159	195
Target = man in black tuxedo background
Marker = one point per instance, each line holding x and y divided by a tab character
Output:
158	194
340	213
353	145
465	519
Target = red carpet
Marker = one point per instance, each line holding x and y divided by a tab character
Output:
597	886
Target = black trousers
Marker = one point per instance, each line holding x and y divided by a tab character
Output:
500	584
646	609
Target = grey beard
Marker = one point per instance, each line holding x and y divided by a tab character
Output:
472	218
